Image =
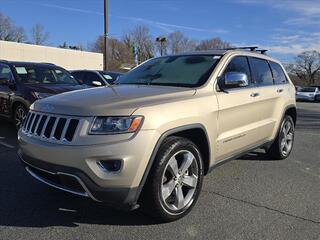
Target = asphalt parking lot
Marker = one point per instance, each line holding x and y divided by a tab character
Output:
249	198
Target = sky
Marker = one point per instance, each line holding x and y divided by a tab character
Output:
285	27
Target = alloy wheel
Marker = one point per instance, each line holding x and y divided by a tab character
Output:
20	116
179	181
287	136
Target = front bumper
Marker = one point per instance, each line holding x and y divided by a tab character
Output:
74	168
305	98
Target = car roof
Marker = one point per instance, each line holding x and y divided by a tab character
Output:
28	63
96	71
222	52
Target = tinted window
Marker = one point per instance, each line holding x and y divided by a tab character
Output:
78	76
34	74
278	74
261	71
90	77
5	72
239	65
181	71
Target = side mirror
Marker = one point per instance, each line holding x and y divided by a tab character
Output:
96	84
235	79
4	81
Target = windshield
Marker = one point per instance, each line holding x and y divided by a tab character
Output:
34	74
181	71
308	89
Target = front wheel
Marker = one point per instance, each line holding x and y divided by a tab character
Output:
19	115
175	180
282	146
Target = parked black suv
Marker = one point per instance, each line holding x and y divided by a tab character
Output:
22	83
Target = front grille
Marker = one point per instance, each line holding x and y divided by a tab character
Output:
51	127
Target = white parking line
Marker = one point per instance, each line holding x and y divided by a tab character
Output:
6	144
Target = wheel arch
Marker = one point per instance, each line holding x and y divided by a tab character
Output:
291	110
194	132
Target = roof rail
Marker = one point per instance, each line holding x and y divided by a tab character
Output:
252	49
262	51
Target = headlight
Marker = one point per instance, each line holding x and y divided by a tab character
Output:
41	95
114	125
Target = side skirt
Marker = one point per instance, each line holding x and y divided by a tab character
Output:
237	155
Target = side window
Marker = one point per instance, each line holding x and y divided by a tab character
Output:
278	74
78	76
261	72
239	64
5	72
91	77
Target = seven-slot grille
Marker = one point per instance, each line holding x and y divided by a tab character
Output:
51	127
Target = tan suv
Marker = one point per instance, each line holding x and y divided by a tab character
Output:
151	138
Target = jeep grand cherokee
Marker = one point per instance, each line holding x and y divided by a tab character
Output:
150	139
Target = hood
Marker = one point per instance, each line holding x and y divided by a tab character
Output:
53	88
111	101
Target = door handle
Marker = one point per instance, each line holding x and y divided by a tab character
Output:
254	94
280	90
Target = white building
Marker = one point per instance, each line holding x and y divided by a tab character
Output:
66	58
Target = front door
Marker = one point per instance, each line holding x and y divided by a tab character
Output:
238	119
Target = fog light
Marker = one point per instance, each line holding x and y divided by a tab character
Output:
110	165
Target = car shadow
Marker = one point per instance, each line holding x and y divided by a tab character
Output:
36	205
258	155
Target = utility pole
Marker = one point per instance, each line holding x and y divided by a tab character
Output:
105	37
162	41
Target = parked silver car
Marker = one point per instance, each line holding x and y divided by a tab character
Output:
308	94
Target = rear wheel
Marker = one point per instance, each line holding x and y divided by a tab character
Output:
19	115
282	146
175	180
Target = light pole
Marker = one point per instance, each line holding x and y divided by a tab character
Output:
162	41
105	37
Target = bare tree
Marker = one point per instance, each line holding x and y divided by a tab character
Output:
306	66
214	43
118	51
143	43
39	36
9	31
178	43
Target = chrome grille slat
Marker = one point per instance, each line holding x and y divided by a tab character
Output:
50	126
45	126
26	121
63	135
35	123
54	128
29	122
36	128
33	119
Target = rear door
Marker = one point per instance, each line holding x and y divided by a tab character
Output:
271	88
238	113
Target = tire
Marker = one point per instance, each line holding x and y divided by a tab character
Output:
283	144
166	176
19	115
